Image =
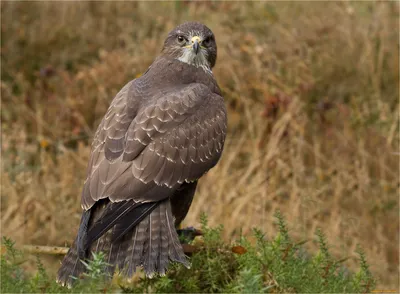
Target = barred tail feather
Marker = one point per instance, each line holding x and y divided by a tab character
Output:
71	267
163	257
153	243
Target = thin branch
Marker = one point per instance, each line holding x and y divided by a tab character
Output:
45	249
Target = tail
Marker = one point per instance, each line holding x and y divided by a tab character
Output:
71	267
152	244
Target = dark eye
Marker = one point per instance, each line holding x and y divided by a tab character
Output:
207	41
181	39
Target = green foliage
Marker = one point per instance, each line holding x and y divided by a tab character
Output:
12	276
363	279
277	265
15	280
96	266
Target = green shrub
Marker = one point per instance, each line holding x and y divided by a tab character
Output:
277	265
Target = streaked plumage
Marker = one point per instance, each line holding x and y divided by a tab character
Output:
161	133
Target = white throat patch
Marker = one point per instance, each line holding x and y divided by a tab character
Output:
197	60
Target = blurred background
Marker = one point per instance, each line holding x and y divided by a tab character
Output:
312	92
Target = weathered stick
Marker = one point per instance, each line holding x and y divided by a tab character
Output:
45	249
188	249
54	250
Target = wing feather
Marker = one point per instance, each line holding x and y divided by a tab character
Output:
174	137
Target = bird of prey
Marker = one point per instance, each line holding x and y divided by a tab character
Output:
161	133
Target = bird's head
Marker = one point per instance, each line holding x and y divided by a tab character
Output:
192	43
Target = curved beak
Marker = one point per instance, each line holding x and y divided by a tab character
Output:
196	41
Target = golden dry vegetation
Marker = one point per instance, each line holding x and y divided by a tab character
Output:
312	92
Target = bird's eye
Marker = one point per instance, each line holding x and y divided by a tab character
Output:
207	41
181	39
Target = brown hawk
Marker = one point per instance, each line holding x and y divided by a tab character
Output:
161	133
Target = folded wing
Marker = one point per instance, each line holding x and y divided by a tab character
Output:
144	152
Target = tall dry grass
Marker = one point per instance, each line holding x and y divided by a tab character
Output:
312	91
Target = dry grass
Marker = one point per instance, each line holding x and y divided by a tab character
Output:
312	91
